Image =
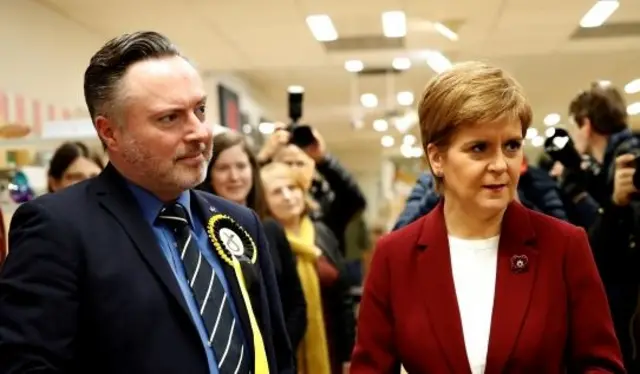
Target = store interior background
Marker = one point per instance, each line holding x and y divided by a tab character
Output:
257	50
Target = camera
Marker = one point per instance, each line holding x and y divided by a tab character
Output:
560	147
581	172
301	135
631	146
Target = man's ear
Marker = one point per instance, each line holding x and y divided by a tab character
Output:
106	130
436	158
588	129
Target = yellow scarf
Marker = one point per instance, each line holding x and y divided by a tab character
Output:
313	353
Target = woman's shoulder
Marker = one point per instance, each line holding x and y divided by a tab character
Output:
271	224
554	226
403	240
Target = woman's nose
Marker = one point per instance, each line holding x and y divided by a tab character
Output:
286	194
498	164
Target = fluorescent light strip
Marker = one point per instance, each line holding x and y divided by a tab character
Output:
437	61
322	28
599	13
394	24
445	31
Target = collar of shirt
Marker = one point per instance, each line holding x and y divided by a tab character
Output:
151	205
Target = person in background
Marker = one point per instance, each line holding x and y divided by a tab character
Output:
233	174
327	344
71	163
356	244
604	135
333	187
482	284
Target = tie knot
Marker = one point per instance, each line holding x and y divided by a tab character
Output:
174	216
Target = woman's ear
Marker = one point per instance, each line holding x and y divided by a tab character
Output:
436	158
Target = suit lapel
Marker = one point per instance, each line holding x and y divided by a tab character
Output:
205	210
514	285
115	197
436	276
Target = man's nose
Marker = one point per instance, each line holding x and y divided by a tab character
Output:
198	130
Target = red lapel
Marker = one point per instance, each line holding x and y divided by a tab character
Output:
513	288
440	298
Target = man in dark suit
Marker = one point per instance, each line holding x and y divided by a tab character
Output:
133	271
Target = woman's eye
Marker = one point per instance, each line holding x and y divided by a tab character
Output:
480	147
513	145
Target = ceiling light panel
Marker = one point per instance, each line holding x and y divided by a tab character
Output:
538	141
599	13
354	66
401	63
445	31
532	132
551	119
380	125
387	141
394	24
633	109
437	61
369	100
322	28
405	98
632	87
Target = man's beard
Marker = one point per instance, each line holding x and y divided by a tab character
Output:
172	176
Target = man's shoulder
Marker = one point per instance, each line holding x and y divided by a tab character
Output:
55	214
65	202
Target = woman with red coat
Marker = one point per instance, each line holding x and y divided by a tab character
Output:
481	284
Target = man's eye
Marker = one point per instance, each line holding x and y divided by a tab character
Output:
169	118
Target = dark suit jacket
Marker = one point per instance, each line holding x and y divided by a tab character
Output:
549	318
86	288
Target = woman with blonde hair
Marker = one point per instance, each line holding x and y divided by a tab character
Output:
328	340
482	284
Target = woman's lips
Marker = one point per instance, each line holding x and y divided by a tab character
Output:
495	187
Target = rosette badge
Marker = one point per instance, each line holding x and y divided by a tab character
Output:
231	240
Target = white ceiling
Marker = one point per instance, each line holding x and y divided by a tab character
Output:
268	44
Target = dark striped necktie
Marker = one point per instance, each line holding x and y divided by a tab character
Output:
225	336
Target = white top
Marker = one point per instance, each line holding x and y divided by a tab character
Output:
474	265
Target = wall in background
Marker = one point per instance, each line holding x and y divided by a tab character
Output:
251	102
44	55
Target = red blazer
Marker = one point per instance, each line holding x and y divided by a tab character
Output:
551	317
